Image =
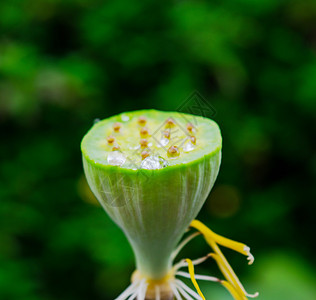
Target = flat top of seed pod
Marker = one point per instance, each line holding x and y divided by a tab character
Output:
150	139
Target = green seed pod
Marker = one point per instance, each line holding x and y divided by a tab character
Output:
152	197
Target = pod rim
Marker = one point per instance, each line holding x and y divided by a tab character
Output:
170	168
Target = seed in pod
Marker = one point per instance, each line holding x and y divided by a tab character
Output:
173	151
144	132
110	139
117	126
142	120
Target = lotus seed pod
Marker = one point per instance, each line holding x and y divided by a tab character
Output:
153	188
153	207
152	195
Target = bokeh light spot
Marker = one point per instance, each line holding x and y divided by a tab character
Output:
224	201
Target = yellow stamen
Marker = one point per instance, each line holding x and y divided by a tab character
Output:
191	271
210	235
231	289
212	239
229	274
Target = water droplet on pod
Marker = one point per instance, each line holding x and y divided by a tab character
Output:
116	158
163	142
189	146
153	163
125	118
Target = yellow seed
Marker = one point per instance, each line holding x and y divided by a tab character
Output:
110	139
190	127
173	151
144	132
144	154
193	139
170	123
117	126
142	120
143	143
166	134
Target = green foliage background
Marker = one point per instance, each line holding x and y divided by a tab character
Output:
65	63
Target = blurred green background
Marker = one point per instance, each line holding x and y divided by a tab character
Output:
64	63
